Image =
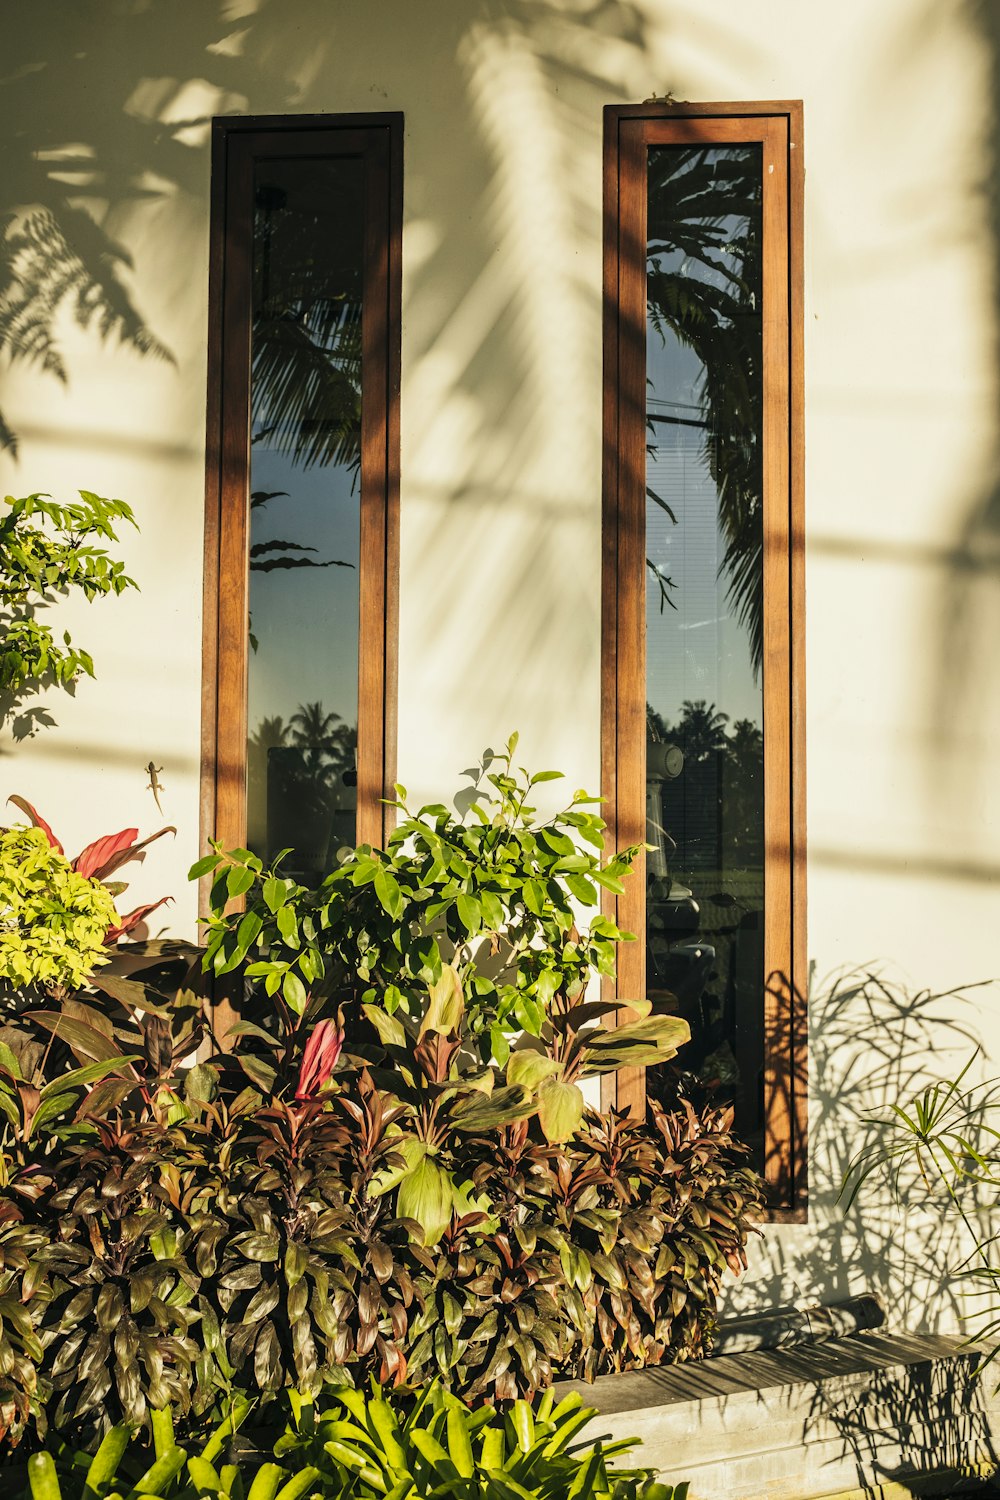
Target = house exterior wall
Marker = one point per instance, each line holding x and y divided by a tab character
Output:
501	454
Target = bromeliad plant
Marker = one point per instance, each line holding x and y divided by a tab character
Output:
370	1446
356	1446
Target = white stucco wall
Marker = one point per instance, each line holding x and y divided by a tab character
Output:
501	440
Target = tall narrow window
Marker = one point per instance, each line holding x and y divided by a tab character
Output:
302	484
702	599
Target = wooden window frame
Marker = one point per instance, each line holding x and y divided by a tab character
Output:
236	144
629	130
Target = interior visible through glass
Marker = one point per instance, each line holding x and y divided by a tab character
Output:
704	618
305	443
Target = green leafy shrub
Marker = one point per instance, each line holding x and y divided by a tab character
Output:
493	896
52	920
357	1185
47	550
364	1447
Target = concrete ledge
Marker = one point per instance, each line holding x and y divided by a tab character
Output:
861	1415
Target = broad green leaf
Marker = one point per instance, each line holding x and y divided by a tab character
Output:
390	1031
42	1477
459	1442
560	1110
489	1111
529	1068
238	881
388	892
411	1151
470	913
274	893
9	1061
294	992
266	1482
639	1044
159	1475
300	1484
446	1006
425	1195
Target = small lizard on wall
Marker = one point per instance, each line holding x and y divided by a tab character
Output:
155	784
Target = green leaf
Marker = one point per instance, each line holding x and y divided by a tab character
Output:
258	1246
294	992
299	1484
104	1465
266	1482
529	1068
388	892
410	1151
470	913
499	1045
584	890
42	1477
638	1044
287	925
560	1110
160	1475
425	1195
446	1007
238	881
459	1442
390	1030
274	892
481	1112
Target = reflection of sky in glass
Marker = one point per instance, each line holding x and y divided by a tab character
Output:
305	619
302	686
699	649
704	807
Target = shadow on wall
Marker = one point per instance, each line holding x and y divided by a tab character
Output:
873	1045
106	109
928	1420
969	604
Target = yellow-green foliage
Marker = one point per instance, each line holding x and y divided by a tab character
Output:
52	920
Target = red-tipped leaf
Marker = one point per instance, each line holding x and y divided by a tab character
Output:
132	919
37	820
131	851
93	860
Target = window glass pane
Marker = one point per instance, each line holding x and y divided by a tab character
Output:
308	242
704	586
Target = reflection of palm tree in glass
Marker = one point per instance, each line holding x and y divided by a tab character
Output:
306	360
269	732
701	731
328	746
703	287
307	328
311	728
746	741
301	780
